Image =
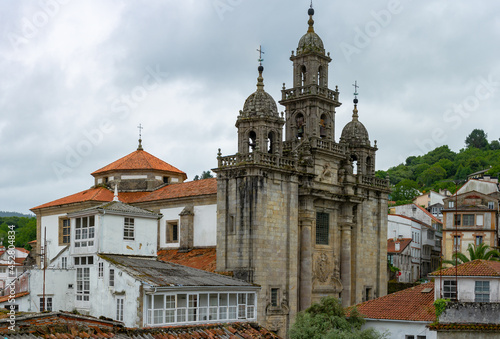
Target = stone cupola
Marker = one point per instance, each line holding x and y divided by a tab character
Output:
259	124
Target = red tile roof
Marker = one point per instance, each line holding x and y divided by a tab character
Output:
391	245
200	258
185	189
102	194
99	194
475	268
139	160
411	304
17	295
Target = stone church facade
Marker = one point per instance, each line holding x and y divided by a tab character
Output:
304	217
294	211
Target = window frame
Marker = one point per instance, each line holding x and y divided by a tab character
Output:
120	301
84	231
467	221
480	292
322	228
64	231
171	230
128	229
111	280
166	309
450	289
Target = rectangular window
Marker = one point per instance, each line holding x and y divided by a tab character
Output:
83	283
84	231
479	240
64	263
64	231
458	218
163	309
468	219
479	219
322	228
47	305
275	296
111	277
457	244
128	229
101	270
482	291
491	205
409	336
172	231
119	309
451	204
450	289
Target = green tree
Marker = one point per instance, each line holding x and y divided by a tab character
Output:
477	139
327	320
495	145
481	251
204	175
432	174
405	190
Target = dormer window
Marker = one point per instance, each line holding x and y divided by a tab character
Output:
84	231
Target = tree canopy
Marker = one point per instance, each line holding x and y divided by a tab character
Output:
25	228
204	175
327	320
440	167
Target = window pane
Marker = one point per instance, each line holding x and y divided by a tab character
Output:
203	299
181	300
322	228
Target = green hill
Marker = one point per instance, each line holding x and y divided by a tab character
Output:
440	167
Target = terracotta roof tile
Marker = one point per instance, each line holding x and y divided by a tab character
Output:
475	268
391	245
411	304
139	160
17	295
475	328
200	258
185	189
429	214
99	194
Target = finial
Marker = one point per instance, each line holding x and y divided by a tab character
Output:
116	193
260	79
139	148
355	111
310	12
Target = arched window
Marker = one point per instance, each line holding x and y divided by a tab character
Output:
323	122
300	123
303	74
252	141
320	75
354	162
270	143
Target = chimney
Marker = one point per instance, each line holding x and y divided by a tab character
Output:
397	246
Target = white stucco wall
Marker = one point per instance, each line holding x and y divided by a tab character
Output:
399	329
466	287
111	236
51	223
205	225
169	214
402	226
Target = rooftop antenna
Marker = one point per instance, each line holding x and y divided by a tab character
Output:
139	148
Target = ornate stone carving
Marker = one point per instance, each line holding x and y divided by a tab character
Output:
326	173
322	268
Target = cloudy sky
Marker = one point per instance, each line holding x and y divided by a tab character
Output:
78	76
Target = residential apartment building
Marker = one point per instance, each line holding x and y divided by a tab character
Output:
424	229
471	217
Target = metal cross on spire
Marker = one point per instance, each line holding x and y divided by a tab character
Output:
355	88
311	3
140	130
260	55
140	137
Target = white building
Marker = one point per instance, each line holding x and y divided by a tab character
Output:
409	313
110	269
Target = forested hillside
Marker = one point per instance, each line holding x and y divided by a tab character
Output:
25	230
440	167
